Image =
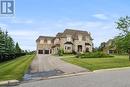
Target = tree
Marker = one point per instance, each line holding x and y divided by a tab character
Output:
17	48
123	24
122	42
2	42
10	45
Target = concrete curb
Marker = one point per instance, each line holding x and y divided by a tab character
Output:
9	83
65	75
112	69
83	73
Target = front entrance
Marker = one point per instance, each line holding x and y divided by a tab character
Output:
79	48
46	51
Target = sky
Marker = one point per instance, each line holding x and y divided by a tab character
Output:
48	17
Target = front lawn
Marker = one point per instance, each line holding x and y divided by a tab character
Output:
16	68
99	63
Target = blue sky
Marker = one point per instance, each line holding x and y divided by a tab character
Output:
47	17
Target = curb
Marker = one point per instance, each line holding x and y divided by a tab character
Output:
65	75
83	73
112	69
9	83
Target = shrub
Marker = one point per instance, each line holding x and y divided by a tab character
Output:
60	52
94	55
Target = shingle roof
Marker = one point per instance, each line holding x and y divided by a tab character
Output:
59	34
75	33
44	37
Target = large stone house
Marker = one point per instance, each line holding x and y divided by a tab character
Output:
69	40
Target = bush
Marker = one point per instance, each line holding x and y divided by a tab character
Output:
7	57
60	52
94	55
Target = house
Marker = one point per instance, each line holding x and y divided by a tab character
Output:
69	40
106	47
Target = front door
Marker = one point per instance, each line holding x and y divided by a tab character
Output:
79	48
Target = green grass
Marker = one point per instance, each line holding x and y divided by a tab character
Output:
16	68
99	63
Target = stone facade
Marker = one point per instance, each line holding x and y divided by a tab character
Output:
107	48
70	41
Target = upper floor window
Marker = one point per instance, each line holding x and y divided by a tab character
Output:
45	40
41	41
49	41
80	37
69	38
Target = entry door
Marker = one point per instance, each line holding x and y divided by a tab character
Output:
79	48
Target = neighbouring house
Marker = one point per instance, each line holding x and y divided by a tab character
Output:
106	47
69	40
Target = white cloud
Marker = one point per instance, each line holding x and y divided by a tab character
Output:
21	21
101	16
3	26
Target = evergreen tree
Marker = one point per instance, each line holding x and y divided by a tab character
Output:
17	48
2	42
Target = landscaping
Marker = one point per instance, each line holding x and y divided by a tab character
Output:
99	63
93	55
16	68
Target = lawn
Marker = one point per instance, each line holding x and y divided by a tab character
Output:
99	63
16	68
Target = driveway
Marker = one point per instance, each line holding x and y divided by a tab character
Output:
115	78
48	65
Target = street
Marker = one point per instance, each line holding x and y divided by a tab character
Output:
114	78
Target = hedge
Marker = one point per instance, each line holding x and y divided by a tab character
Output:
6	57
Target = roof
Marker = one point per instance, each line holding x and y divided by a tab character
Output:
44	37
75	33
68	42
59	34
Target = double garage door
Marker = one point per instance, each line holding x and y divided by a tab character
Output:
43	52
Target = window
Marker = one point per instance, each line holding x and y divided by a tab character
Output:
69	38
49	41
41	41
45	41
68	48
80	38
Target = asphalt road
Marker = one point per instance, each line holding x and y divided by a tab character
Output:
116	78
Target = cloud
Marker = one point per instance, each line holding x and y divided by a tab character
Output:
100	16
3	26
21	21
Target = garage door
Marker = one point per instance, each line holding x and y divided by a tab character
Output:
46	51
40	51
